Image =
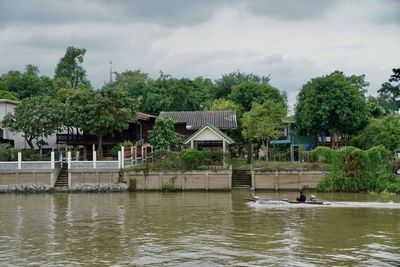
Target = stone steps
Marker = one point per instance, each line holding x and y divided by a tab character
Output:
241	179
62	179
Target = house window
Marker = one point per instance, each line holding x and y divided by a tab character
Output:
1	133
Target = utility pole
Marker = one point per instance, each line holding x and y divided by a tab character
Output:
111	79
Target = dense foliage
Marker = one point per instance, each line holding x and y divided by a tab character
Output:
36	118
389	94
264	122
355	170
380	131
331	104
163	135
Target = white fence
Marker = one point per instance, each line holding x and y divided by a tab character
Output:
30	165
52	164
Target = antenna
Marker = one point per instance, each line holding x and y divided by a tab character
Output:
111	72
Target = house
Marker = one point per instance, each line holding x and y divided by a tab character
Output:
136	133
16	138
294	140
204	129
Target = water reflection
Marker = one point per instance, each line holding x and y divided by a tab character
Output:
192	229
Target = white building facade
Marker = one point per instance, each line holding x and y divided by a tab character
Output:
8	106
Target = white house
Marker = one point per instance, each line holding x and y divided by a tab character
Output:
7	106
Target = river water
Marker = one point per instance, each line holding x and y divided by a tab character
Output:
197	229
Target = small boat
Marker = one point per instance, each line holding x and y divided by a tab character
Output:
282	201
308	202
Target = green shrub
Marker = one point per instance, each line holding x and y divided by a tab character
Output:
117	147
193	159
132	184
170	185
5	152
354	170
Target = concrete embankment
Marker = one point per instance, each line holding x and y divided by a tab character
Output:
286	180
193	180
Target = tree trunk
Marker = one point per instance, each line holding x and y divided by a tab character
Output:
249	151
267	152
100	148
29	141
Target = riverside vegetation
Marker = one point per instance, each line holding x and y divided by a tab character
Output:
335	105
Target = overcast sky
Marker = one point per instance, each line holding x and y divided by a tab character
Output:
291	40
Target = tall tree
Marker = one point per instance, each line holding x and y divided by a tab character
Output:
264	122
331	104
227	83
249	92
390	92
26	84
70	70
101	112
36	118
134	82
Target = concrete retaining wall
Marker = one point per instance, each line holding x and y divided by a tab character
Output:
286	180
92	176
195	180
47	177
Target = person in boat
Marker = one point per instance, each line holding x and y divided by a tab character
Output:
302	197
313	198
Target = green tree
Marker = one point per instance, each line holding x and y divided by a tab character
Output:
26	84
380	131
331	104
224	104
390	92
225	85
69	71
163	135
374	107
168	94
264	122
249	92
7	95
101	112
36	118
134	82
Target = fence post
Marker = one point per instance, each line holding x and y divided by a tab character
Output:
52	159
122	157
19	160
69	159
94	159
119	159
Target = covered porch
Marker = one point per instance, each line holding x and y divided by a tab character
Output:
210	137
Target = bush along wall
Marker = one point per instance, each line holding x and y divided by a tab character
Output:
357	170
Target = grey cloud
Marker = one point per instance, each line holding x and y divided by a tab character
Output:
170	13
390	13
271	59
290	9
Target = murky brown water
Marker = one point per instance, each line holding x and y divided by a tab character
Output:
194	229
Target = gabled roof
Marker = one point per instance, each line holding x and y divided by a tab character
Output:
9	101
144	116
212	128
223	119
